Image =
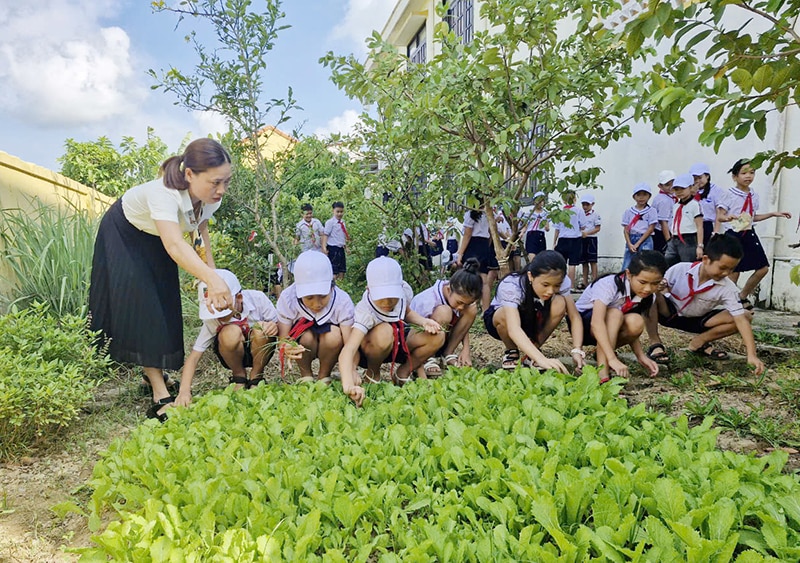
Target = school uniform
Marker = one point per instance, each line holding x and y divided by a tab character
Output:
367	316
291	311
505	231
453	229
337	234
134	294
692	304
569	243
682	247
708	205
587	222
256	307
615	292
535	241
309	234
663	204
636	222
480	244
737	202
511	293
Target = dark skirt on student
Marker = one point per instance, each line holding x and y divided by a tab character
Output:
535	242
754	257
482	249
134	296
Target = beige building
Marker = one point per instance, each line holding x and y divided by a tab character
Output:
640	157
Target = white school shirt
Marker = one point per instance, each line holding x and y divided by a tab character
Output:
606	291
662	203
340	310
335	233
708	205
572	230
145	204
536	220
367	315
426	301
453	228
587	222
649	217
510	292
310	235
733	201
256	307
503	225
690	210
724	293
480	228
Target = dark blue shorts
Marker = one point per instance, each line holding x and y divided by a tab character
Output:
570	249
338	259
695	325
589	250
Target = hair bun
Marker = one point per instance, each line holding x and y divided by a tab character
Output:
472	265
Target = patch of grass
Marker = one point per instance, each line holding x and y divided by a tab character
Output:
697	407
683	380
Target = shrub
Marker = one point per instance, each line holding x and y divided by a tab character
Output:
49	252
48	370
474	466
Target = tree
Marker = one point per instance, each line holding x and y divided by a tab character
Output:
529	101
100	165
228	80
739	58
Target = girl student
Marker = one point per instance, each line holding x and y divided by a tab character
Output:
453	304
708	195
476	242
737	211
612	310
537	225
527	308
379	330
314	313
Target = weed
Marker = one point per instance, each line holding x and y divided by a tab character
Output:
682	380
699	408
663	402
733	418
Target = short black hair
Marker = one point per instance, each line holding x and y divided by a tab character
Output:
306	207
337	204
738	165
720	245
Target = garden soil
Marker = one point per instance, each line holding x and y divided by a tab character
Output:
57	471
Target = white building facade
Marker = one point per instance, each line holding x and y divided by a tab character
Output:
640	157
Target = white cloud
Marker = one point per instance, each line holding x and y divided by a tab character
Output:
361	18
60	67
345	124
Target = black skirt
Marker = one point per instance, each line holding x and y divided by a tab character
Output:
134	296
754	257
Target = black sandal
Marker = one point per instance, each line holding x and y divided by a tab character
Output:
510	359
172	386
254	382
658	357
710	352
746	304
152	412
238	380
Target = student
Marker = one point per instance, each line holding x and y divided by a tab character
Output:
316	314
241	336
528	307
638	224
537	225
567	239
308	232
708	195
379	329
334	240
612	310
737	210
703	301
452	231
476	243
686	224
589	222
662	203
452	304
506	232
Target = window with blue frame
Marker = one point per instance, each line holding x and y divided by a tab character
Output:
460	18
417	48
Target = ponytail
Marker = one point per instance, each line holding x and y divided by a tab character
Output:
467	280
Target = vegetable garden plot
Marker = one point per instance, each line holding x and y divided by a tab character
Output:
474	466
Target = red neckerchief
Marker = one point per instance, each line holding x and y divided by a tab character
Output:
629	303
241	323
311	230
399	332
676	221
747	207
692	293
636	219
344	230
536	223
296	332
698	197
671	196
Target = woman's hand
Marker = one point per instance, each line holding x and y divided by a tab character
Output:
219	295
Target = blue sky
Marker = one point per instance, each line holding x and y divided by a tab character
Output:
77	69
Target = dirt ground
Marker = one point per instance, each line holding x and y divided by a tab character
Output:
56	472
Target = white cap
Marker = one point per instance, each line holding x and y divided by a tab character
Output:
642	187
665	176
313	274
683	181
698	169
539	194
384	278
202	292
588	198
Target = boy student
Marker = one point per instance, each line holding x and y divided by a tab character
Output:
308	232
240	336
334	239
638	224
686	224
662	203
589	224
703	301
567	238
316	314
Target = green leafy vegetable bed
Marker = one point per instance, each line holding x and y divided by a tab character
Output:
472	467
